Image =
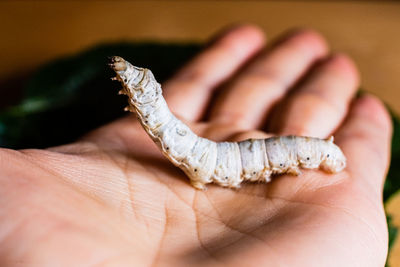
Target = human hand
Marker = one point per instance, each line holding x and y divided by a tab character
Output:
111	198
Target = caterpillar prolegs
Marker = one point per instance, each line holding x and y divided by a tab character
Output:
224	163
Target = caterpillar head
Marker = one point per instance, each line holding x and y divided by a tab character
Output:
118	64
138	83
333	159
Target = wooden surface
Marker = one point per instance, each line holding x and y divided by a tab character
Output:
33	32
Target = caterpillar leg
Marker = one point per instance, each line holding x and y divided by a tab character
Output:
294	171
198	185
265	176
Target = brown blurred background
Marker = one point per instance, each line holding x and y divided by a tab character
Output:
33	32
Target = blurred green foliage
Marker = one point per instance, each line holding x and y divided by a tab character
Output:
70	96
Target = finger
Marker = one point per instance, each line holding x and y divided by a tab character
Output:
189	91
250	96
321	102
365	139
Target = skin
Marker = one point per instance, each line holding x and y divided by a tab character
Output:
112	199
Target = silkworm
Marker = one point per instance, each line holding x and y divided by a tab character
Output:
225	163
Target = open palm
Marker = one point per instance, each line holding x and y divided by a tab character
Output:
112	199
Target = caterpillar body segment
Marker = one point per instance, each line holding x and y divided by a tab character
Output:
224	163
255	164
228	169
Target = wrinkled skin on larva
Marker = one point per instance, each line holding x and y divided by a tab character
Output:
224	163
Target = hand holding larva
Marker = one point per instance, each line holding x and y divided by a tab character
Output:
224	163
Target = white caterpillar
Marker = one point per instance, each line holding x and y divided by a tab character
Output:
224	163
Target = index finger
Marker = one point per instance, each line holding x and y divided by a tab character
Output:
189	91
